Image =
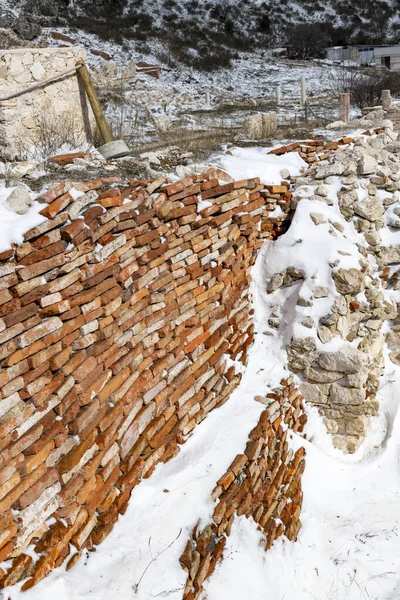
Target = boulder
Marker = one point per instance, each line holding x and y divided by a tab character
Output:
312	393
393	340
341	395
320	292
395	357
19	201
301	353
390	255
329	319
314	373
345	360
340	305
322	190
343	327
325	334
276	282
308	322
317	218
367	164
373	238
370	209
325	171
349	281
347	198
393	147
304	301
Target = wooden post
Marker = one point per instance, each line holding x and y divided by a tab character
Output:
278	95
94	101
344	107
303	98
386	100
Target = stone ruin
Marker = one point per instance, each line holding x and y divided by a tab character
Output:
260	125
59	109
343	384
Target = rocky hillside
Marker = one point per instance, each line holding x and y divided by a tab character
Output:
199	32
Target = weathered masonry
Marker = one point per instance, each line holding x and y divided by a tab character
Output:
263	483
58	109
117	316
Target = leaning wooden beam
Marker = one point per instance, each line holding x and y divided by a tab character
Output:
94	101
39	85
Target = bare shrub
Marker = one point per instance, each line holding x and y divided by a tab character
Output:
124	117
306	40
53	132
364	85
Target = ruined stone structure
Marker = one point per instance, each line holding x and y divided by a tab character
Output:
117	316
343	383
58	110
260	125
263	483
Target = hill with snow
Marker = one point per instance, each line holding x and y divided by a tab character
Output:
198	33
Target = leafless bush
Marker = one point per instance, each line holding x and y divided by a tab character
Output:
124	122
364	85
124	117
306	40
52	134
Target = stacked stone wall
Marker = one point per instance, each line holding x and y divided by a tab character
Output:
43	115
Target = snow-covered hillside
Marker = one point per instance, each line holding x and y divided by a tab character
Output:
192	29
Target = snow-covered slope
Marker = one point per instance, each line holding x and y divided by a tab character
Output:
215	24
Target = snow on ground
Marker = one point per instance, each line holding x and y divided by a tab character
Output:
253	74
244	163
12	225
349	543
181	90
349	546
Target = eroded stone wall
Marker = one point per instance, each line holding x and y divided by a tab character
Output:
343	379
56	112
118	316
263	483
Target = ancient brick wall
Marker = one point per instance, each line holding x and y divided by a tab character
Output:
263	483
117	315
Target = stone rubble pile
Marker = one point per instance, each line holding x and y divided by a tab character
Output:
343	383
263	483
315	150
117	317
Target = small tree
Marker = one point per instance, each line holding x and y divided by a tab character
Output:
364	85
306	40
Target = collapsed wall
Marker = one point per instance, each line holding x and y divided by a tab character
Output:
263	483
58	111
340	257
122	316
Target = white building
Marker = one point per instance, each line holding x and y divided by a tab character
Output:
388	57
361	55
